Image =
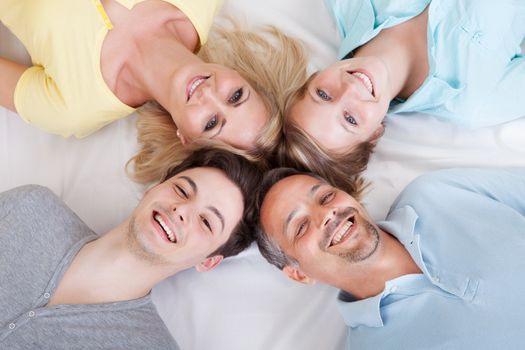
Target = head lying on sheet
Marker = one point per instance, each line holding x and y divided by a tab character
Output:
98	65
441	265
69	281
470	75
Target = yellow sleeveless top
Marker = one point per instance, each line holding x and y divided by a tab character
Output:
64	92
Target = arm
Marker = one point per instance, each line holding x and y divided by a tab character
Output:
10	72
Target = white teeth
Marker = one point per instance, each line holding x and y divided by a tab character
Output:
366	81
341	233
165	227
195	85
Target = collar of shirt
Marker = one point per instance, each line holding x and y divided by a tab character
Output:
401	223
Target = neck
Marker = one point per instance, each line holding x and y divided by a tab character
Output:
107	270
137	61
390	261
403	50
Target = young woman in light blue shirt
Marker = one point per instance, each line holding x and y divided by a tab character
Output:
459	60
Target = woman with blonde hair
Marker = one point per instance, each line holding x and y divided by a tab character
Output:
272	63
97	61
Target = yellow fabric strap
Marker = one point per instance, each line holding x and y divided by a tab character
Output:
103	14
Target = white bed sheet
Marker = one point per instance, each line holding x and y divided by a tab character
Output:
244	303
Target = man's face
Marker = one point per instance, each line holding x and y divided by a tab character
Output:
323	228
186	218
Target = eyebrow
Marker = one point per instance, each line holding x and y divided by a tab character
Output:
218	214
293	213
190	182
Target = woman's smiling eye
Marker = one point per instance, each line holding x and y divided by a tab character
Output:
350	119
327	197
236	96
211	123
323	95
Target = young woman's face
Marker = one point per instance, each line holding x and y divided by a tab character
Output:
344	104
210	101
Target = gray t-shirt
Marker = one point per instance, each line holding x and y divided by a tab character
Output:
39	237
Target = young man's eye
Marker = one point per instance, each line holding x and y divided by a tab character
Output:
180	191
323	95
206	223
236	96
211	123
326	198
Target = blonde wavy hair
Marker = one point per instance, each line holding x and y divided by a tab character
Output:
273	63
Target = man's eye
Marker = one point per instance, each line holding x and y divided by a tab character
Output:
236	96
323	95
181	192
327	198
350	119
302	228
211	123
206	223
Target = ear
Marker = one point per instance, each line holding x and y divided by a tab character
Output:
377	134
297	275
209	263
181	137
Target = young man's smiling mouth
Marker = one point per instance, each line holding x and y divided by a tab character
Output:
170	234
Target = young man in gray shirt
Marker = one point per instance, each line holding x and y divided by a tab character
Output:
64	287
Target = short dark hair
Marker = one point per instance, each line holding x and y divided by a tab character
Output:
246	175
269	249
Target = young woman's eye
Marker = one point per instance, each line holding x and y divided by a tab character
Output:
206	223
181	192
236	96
323	95
326	198
211	123
350	119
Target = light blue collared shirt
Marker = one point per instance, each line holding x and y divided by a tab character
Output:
465	229
476	67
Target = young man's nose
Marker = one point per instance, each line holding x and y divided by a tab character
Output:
328	216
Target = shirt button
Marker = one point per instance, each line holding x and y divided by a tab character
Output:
46	295
393	289
436	279
31	313
12	326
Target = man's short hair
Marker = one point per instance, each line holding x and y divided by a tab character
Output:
245	175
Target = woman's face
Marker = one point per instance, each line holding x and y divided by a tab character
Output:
210	101
344	104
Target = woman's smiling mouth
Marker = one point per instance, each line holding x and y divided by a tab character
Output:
194	84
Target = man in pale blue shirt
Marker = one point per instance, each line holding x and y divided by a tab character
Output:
443	271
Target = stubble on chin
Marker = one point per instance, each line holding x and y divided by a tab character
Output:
138	248
363	252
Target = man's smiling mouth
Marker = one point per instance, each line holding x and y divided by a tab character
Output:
169	233
343	232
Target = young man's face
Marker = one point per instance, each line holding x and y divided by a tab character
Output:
186	218
323	228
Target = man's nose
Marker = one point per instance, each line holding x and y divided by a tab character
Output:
328	216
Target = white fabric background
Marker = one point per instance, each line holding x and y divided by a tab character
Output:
244	303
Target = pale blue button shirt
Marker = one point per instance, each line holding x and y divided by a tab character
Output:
476	66
465	229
